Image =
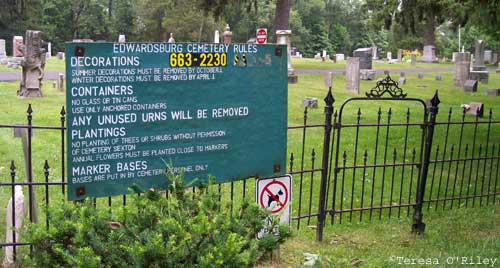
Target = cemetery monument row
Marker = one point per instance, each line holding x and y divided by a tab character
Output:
138	109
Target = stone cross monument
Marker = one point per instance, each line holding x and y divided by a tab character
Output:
33	64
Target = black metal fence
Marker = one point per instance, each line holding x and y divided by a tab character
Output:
364	162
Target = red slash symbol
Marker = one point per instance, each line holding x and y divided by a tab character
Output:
274	197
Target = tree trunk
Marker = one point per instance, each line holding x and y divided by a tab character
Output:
281	20
110	9
430	26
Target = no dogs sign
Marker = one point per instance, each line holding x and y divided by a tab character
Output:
275	196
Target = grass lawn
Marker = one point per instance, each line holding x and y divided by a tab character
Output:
450	233
449	236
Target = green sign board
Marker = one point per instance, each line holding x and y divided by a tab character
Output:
138	109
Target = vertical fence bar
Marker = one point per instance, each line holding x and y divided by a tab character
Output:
491	174
413	156
63	168
30	166
46	173
329	100
365	157
375	160
486	155
394	155
385	161
433	177
313	158
458	157
355	160
13	193
404	161
302	165
452	150
444	157
418	225
472	161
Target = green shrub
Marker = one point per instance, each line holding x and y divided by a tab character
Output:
185	230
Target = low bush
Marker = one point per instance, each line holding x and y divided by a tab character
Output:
184	230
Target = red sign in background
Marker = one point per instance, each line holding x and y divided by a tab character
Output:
261	36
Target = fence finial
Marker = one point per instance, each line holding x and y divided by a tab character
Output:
329	99
435	100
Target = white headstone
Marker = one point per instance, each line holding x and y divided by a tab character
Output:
389	56
216	37
3	54
352	75
121	38
339	57
48	54
19	213
488	56
324	54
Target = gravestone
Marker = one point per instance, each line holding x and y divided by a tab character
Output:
475	108
400	55
171	39
284	38
494	58
488	54
365	57
375	53
216	37
60	55
438	78
317	56
470	86
121	38
3	54
310	102
429	54
481	76
493	92
48	54
17	42
352	75
323	56
60	82
33	64
339	57
420	76
389	56
454	56
367	74
498	68
479	71
227	34
462	68
402	78
413	59
479	56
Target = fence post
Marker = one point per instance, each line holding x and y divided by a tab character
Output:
418	226
329	100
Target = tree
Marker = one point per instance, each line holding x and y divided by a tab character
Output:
487	16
